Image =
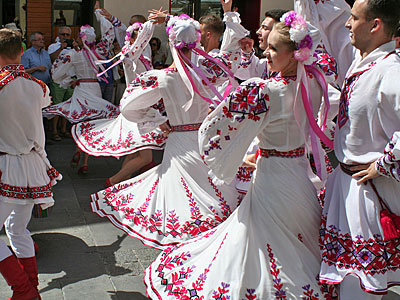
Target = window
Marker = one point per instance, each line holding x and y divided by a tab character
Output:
196	8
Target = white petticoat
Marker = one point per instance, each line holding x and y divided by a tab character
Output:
351	234
27	178
169	203
85	104
115	137
267	249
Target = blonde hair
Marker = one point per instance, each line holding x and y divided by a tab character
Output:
283	31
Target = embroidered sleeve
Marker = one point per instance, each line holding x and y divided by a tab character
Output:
329	17
107	35
225	135
138	98
389	164
251	66
133	52
62	68
120	30
325	63
230	51
246	58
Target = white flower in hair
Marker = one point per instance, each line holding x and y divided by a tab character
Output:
298	34
183	32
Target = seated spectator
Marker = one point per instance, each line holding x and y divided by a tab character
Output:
36	60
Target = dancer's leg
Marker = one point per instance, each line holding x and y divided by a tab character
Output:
143	158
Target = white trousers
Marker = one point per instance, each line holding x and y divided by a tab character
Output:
15	218
350	290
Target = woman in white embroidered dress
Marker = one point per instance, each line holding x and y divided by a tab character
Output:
120	137
177	199
268	247
86	101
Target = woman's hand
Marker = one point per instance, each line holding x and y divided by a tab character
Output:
226	5
157	16
250	162
166	129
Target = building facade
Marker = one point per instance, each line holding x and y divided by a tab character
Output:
47	15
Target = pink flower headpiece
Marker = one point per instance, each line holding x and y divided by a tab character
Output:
88	35
299	34
134	27
183	32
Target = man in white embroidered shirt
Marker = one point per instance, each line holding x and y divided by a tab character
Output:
360	252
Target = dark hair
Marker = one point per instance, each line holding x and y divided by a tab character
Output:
386	10
275	14
140	18
212	23
397	32
157	40
10	43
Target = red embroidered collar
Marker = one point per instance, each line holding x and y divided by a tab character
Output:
13	68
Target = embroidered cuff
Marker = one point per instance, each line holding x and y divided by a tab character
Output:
115	22
246	58
382	167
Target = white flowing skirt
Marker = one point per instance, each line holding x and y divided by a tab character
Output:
170	203
27	178
267	249
85	104
351	235
115	137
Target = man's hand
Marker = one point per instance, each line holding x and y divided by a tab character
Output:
250	162
246	44
367	174
73	84
41	68
226	5
166	129
157	16
75	45
105	13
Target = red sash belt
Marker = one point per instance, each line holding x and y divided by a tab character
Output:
85	80
289	154
186	127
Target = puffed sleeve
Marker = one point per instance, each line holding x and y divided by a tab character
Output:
143	92
133	52
389	113
251	66
225	135
325	63
119	30
62	69
107	35
230	52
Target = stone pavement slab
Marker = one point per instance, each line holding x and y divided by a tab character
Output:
82	256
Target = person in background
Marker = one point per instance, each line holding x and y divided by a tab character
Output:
158	56
13	26
211	28
251	65
63	45
36	60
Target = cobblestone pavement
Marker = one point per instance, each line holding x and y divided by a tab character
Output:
82	256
